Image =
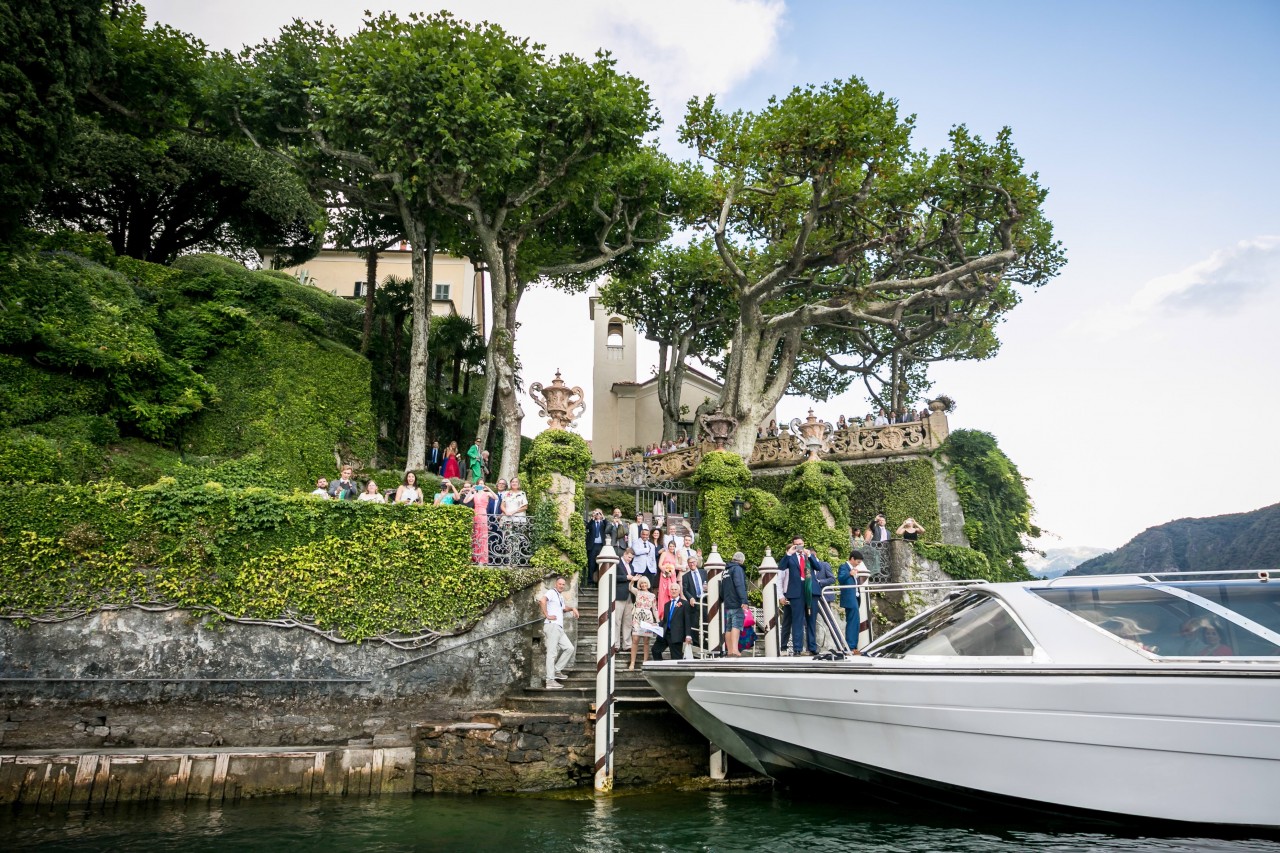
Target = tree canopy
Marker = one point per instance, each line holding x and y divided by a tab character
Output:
149	166
49	50
845	246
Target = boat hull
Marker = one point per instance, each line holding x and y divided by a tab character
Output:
1196	744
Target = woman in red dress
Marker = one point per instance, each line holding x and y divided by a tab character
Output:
452	468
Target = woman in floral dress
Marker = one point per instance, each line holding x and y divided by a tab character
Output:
643	617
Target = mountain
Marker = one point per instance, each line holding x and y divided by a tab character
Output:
1242	540
1059	561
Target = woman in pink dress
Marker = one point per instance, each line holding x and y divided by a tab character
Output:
668	576
479	498
452	468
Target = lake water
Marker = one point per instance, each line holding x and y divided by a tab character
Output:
758	821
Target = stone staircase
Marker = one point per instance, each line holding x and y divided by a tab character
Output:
579	692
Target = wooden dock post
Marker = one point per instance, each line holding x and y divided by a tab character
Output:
769	592
606	586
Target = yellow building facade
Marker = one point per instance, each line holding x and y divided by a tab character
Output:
457	287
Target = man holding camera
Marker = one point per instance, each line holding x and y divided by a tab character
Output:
793	569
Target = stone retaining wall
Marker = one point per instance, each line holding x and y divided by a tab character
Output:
510	753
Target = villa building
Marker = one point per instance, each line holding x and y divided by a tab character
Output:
457	288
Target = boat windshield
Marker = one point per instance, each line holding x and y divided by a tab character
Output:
1206	619
972	625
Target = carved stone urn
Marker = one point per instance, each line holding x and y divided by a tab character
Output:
558	403
814	435
719	427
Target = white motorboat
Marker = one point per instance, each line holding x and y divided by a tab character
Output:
1152	697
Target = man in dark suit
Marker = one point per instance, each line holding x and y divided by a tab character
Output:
434	459
793	569
693	586
879	529
851	574
674	629
820	583
596	537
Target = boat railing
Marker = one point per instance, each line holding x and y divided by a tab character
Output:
1162	577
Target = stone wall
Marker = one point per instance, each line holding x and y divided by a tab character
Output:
523	752
907	567
132	678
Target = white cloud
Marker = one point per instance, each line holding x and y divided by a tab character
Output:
1221	284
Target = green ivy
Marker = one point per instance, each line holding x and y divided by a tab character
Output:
814	486
557	452
959	562
205	357
993	494
900	489
361	570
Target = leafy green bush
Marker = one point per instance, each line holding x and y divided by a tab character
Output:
959	562
562	452
208	356
360	570
993	494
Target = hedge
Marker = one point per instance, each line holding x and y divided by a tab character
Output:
356	570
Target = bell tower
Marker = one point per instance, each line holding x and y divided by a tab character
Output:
613	415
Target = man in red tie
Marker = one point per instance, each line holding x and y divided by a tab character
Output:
792	570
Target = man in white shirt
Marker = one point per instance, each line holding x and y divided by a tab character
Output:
322	489
559	649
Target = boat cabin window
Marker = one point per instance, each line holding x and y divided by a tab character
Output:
973	625
1166	623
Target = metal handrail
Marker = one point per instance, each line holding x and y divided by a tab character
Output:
1259	574
472	641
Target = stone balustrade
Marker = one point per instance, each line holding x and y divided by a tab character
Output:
852	443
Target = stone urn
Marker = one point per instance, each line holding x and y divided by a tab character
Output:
814	435
558	403
719	427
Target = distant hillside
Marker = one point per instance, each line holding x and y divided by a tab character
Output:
1244	540
1059	561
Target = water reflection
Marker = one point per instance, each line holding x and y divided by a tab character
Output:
667	820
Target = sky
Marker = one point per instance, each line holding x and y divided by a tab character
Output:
1137	387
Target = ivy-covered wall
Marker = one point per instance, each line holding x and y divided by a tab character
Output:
557	452
767	521
997	506
901	490
355	570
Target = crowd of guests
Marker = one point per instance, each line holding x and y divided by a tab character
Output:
883	417
490	505
657	448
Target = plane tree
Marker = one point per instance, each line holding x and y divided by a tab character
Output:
844	245
538	162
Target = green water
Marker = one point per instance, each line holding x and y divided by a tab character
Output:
754	821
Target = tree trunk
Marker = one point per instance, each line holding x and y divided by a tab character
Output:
371	285
670	385
749	392
507	404
423	245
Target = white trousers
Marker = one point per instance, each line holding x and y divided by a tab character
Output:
559	649
622	611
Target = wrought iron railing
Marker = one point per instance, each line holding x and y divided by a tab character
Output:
507	543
